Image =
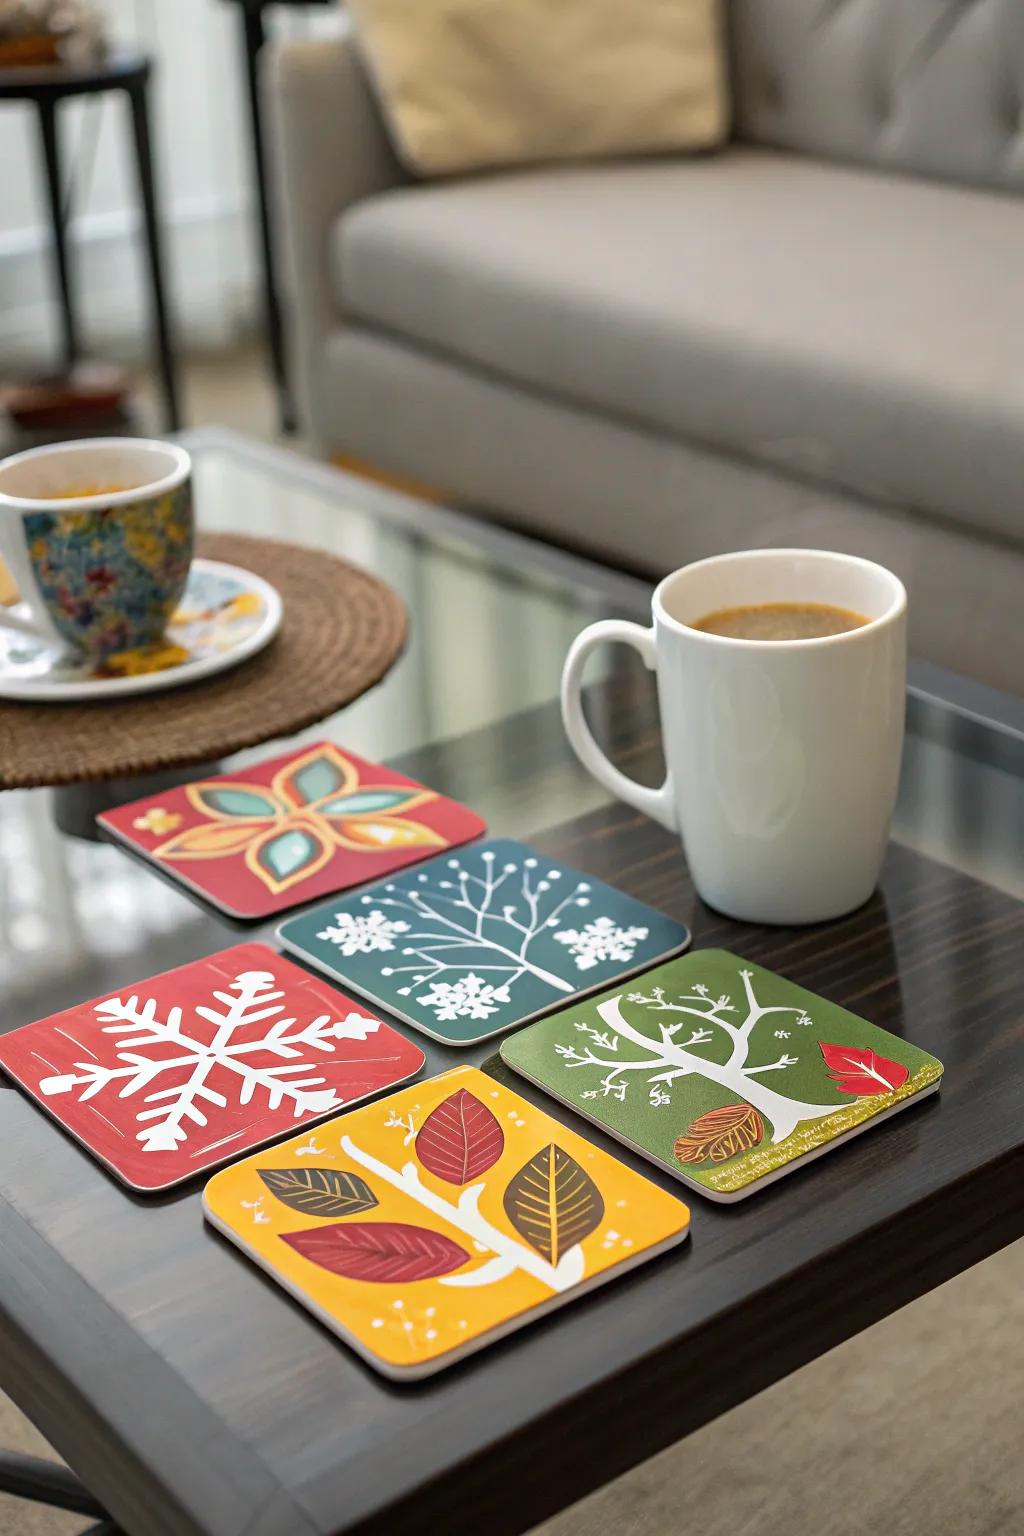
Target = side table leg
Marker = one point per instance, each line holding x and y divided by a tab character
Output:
254	38
137	95
51	160
46	1482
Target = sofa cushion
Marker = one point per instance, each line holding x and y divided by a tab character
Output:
473	83
854	328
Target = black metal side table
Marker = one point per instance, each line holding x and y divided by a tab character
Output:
253	37
46	87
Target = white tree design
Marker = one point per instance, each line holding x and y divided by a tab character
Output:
667	1057
250	999
477	923
357	933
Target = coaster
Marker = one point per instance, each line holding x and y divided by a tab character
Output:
424	1227
291	829
724	1074
179	1073
469	946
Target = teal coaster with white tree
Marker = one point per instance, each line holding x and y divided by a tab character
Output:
475	942
725	1074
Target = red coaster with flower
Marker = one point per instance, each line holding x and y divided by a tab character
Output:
291	830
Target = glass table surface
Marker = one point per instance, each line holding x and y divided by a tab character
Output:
492	614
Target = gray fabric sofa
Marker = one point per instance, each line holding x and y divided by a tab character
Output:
815	336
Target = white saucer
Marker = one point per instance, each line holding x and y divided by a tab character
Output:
226	615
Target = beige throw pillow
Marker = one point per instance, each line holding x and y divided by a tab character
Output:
467	84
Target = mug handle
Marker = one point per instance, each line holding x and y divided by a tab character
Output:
656	803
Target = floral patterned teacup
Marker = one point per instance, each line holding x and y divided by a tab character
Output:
98	538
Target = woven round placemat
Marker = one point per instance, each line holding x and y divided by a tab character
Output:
341	631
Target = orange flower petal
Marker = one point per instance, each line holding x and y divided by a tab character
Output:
378	833
211	840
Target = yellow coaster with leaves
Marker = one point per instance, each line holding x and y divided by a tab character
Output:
430	1223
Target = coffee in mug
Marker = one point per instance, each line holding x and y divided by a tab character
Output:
783	751
780	621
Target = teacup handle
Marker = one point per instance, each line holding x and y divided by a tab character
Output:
25	616
656	803
23	622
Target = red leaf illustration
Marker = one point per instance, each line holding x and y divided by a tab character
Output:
862	1071
460	1139
379	1251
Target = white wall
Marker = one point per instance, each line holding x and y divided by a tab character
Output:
203	167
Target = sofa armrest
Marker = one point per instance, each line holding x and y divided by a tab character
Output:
329	148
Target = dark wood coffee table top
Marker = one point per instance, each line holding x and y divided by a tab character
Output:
194	1397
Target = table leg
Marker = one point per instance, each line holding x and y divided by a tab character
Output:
254	37
51	158
46	1482
138	97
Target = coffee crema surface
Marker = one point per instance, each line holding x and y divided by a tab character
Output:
780	621
77	491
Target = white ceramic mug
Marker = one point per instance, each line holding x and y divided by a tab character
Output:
783	756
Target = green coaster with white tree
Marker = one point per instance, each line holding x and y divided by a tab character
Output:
723	1073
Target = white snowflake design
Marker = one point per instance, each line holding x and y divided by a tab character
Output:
152	1048
364	932
468	998
601	939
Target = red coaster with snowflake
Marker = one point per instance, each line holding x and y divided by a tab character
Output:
187	1070
291	829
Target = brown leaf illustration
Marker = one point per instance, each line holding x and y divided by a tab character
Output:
319	1191
552	1203
720	1134
460	1139
380	1251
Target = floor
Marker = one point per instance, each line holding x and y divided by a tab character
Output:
913	1427
222	389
